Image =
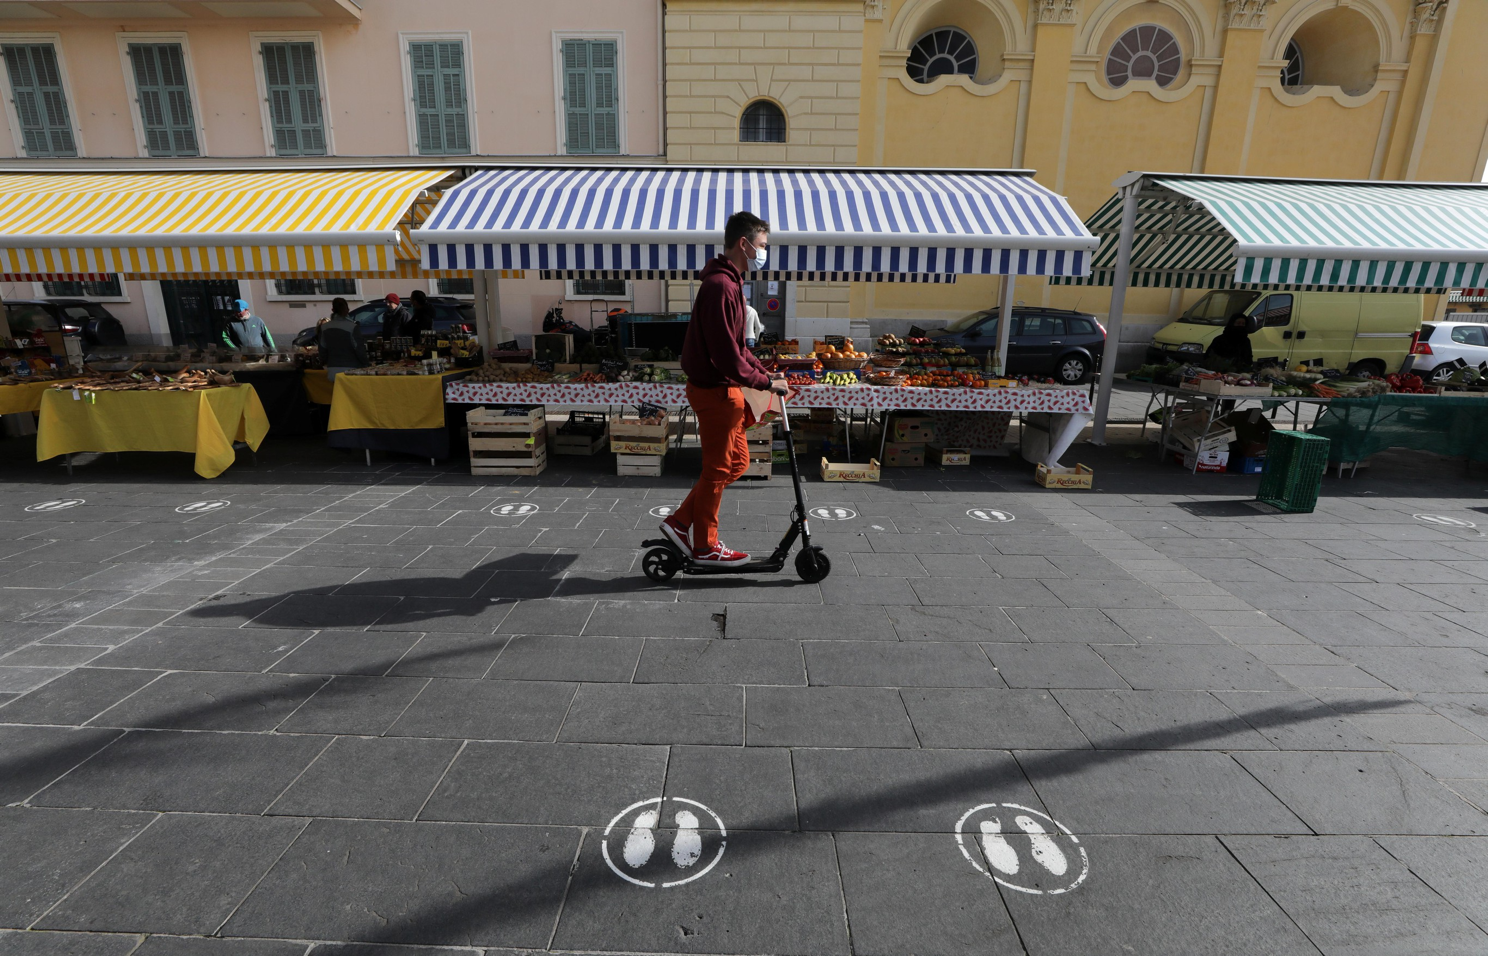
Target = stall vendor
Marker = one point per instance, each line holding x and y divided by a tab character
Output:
341	348
1233	344
247	331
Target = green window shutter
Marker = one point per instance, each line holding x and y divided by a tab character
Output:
440	113
293	86
164	98
591	101
41	105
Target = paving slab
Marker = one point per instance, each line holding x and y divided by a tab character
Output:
210	701
368	779
75	697
703	661
656	714
486	710
1451	866
827	717
750	788
1053	665
48	852
907	664
36	943
32	757
197	869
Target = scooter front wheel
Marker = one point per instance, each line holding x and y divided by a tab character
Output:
661	565
813	565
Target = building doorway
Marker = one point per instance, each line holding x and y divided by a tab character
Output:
768	299
198	310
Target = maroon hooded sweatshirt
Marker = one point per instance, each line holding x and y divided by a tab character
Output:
713	354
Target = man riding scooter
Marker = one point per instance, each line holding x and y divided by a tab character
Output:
718	366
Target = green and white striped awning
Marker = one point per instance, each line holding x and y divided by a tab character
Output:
1202	232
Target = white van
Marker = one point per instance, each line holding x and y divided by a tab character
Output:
1358	331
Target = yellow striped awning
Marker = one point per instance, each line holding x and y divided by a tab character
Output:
337	223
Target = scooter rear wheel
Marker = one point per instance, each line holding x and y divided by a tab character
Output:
660	565
813	565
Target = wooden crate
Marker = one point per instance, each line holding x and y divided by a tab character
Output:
761	432
759	470
850	471
629	436
507	444
640	465
579	444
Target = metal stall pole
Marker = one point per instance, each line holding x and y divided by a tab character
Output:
1129	185
1005	318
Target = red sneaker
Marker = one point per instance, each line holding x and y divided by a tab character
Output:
720	556
677	533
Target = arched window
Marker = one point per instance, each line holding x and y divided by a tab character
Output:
941	51
762	122
1146	52
1291	74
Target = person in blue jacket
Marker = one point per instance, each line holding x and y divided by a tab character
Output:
247	331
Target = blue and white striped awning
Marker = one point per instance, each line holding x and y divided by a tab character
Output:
825	223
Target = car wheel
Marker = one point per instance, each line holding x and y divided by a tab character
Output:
1072	369
1372	366
1439	375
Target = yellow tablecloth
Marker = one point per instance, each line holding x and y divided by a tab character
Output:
24	398
205	422
317	388
388	401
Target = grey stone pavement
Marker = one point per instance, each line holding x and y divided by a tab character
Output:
354	711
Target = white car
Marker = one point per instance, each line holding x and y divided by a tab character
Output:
1440	344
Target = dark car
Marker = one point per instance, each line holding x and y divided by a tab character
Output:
89	320
1057	343
449	313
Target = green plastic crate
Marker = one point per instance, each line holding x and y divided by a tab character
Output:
1295	463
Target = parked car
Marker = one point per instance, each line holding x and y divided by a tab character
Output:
1361	332
89	320
449	313
1440	344
1056	343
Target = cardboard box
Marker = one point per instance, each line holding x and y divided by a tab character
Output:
946	457
912	429
903	455
850	472
1058	477
1211	461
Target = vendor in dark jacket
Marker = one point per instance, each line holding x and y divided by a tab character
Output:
718	366
1233	344
422	319
395	317
341	347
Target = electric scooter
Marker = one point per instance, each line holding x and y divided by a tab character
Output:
665	559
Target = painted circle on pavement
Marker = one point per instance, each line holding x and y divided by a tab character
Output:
989	514
832	513
202	507
1022	849
1444	521
662	511
515	509
59	504
658	843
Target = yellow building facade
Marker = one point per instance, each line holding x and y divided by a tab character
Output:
1080	91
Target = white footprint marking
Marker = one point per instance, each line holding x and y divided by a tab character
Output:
642	841
1002	857
1044	849
688	846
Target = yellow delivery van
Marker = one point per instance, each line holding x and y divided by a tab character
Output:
1358	331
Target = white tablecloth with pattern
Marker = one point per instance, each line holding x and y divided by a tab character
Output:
1069	406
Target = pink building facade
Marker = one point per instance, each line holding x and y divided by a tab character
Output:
99	84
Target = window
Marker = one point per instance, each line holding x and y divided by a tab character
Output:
439	100
293	88
762	122
1274	311
24	319
315	288
40	103
591	96
1469	335
1081	326
1147	52
464	287
942	51
107	289
599	289
1215	308
164	98
1043	325
1291	74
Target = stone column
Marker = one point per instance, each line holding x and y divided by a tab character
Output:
1234	95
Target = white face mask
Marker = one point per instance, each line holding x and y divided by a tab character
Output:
760	257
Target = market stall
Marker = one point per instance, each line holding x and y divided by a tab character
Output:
22	397
826	224
204	422
397	413
1174	231
1454	425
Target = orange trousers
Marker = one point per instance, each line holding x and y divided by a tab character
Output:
720	415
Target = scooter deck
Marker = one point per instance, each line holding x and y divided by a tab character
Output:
755	565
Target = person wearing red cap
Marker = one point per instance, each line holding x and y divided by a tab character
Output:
395	317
